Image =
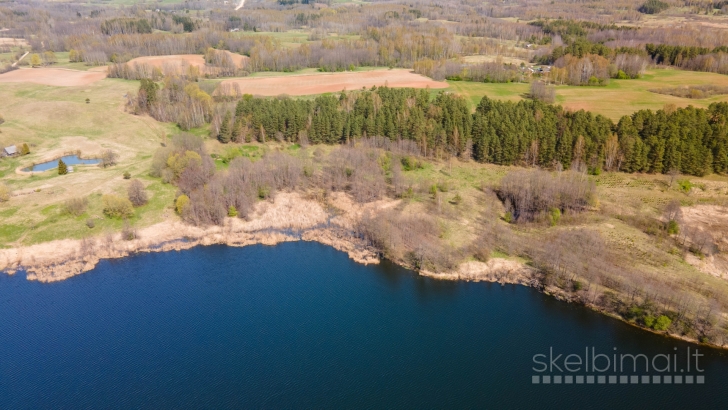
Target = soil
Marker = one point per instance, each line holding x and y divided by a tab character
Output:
332	82
59	77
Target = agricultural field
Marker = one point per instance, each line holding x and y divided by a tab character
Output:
320	83
618	98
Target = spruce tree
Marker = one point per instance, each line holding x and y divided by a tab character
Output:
62	168
224	135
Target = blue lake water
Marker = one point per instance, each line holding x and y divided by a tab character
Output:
68	159
299	325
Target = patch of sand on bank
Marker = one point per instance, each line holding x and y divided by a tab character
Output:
59	77
711	220
503	271
289	217
309	84
282	220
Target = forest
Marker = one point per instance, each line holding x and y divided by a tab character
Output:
422	32
685	140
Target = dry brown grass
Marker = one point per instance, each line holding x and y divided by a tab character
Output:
332	82
58	77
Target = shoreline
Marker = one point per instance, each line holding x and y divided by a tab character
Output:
289	217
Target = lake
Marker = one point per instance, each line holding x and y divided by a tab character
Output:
68	159
299	325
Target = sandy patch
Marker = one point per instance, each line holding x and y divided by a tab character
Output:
59	77
331	82
711	220
289	217
495	270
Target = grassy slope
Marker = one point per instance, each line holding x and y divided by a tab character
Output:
54	120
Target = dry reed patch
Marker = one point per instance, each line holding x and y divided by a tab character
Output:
331	82
9	41
179	62
59	77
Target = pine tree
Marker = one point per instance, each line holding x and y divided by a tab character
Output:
224	135
62	168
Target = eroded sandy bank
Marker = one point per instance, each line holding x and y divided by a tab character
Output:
290	217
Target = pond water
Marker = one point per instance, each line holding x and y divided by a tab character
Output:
299	325
68	159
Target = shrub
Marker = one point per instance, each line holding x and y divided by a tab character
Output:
410	163
685	185
554	216
673	228
24	149
117	207
232	212
508	217
127	175
136	193
653	7
90	223
180	203
109	158
542	92
88	101
4	193
662	323
62	168
75	206
128	233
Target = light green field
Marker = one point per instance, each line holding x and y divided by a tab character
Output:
56	120
619	98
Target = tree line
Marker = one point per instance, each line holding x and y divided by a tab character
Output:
532	133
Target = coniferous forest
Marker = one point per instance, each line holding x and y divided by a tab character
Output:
681	140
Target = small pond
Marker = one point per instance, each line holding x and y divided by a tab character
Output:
68	159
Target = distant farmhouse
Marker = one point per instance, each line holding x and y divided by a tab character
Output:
11	150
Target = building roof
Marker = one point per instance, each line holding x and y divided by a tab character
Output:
11	150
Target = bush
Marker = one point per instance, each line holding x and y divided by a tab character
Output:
127	175
542	92
109	158
117	207
128	233
662	323
90	223
180	203
653	7
75	206
673	228
136	193
24	149
232	212
685	185
554	216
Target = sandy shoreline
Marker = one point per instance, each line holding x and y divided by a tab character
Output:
290	217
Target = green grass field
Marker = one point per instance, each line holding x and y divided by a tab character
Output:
619	98
56	120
